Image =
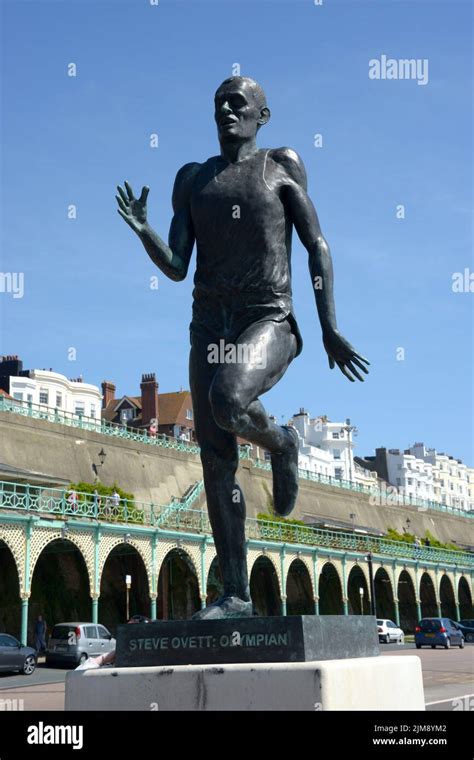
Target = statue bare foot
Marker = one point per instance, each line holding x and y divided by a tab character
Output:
225	607
285	475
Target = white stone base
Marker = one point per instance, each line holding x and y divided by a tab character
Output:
366	683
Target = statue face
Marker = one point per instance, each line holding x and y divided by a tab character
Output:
236	111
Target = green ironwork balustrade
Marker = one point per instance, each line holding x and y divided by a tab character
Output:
179	515
104	427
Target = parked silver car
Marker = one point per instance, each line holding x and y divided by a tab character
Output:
74	643
15	657
389	632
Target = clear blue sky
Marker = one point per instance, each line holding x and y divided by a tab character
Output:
143	69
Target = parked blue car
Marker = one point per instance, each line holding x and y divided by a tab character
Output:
441	632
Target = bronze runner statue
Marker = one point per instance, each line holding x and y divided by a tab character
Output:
240	207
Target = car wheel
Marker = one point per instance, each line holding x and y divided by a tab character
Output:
469	636
418	646
461	645
29	665
448	644
82	658
401	640
387	639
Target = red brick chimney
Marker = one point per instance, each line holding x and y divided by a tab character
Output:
108	393
149	392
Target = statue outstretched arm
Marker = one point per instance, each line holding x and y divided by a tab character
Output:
173	259
306	222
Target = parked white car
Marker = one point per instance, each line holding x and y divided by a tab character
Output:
389	632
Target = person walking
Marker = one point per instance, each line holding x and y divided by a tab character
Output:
40	634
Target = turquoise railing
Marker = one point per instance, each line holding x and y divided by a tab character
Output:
380	497
113	429
180	505
180	516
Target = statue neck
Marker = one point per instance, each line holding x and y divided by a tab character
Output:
234	151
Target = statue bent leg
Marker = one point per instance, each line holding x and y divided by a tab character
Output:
226	405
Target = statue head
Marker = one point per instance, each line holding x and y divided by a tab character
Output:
240	108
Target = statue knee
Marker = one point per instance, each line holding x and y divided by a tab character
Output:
226	410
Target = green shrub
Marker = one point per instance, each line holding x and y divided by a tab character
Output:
409	538
134	514
295	531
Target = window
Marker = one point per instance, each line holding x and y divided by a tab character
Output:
336	453
338	472
29	398
18	396
90	632
79	407
409	481
8	641
103	632
335	435
43	396
62	632
93	410
126	414
399	481
59	400
189	414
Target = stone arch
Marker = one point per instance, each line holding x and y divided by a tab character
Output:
123	558
428	595
10	591
192	551
254	554
60	583
384	597
447	597
179	592
409	571
14	538
330	589
357	604
290	557
110	542
210	559
406	593
299	589
465	599
363	567
214	586
263	573
40	539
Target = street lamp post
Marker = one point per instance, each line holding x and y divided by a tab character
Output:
350	430
372	585
128	581
361	592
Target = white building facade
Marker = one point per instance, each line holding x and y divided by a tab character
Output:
412	476
453	481
45	388
327	448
